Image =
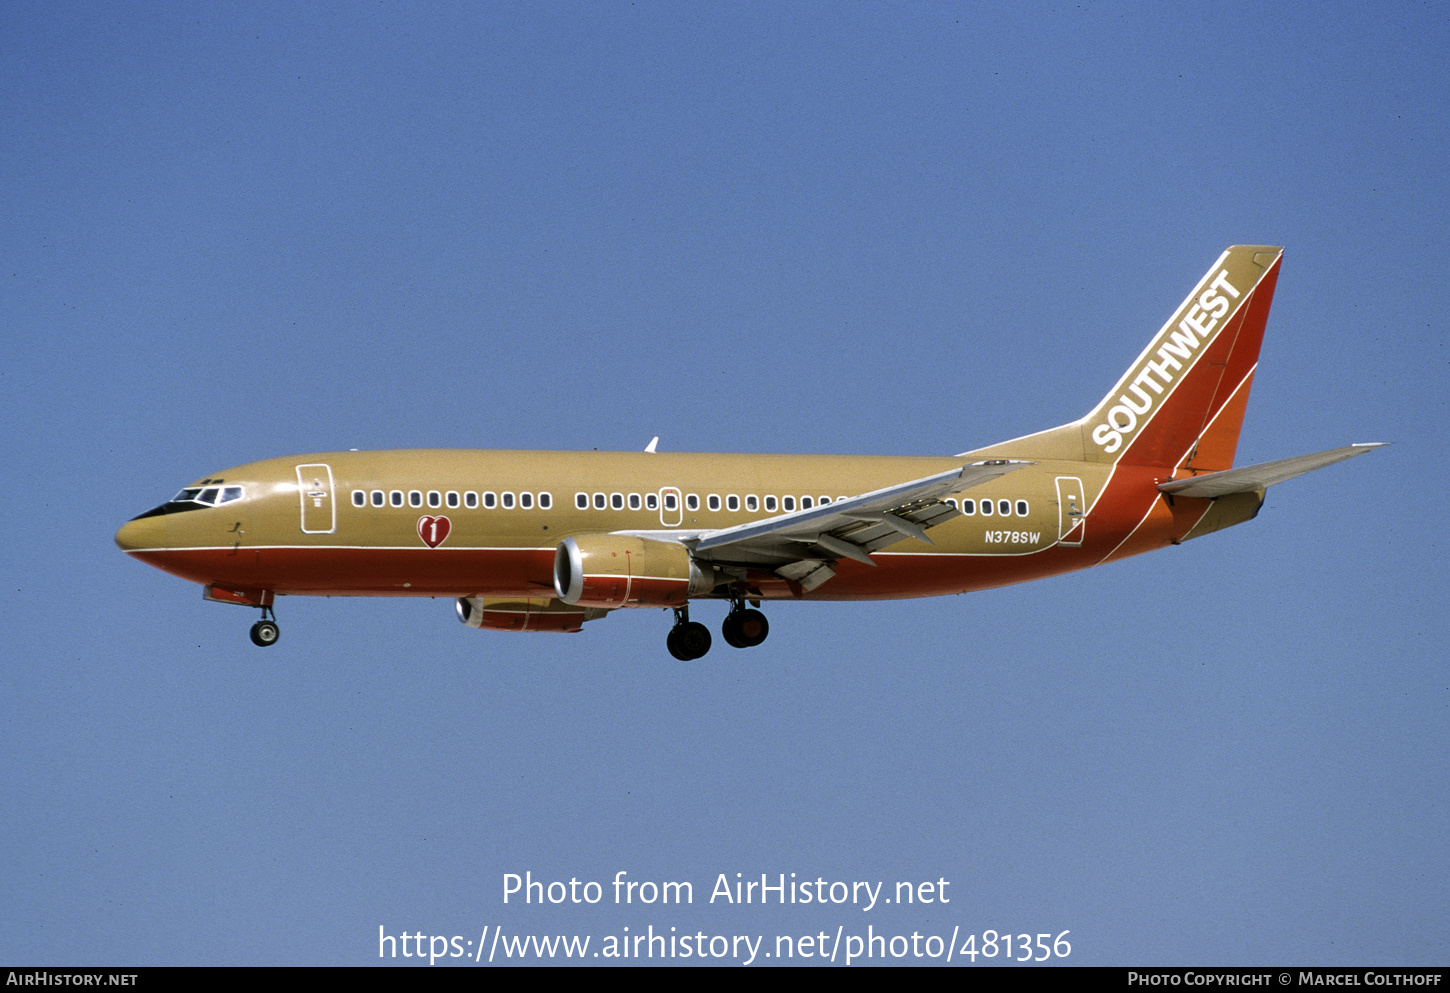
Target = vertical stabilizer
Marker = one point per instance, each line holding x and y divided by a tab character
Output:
1183	400
1181	403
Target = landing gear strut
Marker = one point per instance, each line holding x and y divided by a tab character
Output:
688	640
265	632
744	627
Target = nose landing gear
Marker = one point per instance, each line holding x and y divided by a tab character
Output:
265	632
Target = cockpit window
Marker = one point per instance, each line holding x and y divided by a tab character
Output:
196	498
208	496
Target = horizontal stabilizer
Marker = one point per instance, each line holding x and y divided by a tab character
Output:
1262	476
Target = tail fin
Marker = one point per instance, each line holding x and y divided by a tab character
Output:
1182	402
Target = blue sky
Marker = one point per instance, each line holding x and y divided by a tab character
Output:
243	231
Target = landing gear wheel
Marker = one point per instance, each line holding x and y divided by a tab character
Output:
730	631
265	633
676	646
745	628
688	641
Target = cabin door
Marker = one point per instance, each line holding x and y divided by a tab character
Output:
1071	507
314	487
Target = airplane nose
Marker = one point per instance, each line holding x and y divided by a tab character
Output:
144	532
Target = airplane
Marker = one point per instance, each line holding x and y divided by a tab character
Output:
547	541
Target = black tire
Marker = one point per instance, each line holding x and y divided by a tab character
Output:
696	639
675	644
688	642
751	627
730	630
265	633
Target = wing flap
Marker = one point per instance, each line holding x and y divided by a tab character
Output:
851	528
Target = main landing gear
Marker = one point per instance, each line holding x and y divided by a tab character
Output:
688	640
744	627
265	632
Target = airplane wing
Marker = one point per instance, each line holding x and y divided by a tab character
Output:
801	545
1262	476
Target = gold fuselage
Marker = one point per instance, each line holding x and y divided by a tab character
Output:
298	529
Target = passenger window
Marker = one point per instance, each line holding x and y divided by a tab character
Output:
359	498
616	501
470	500
396	498
651	501
805	503
581	501
415	498
526	501
732	502
770	505
634	501
1021	508
986	508
670	502
507	499
751	503
435	499
490	501
452	498
713	502
787	503
545	501
379	498
825	500
951	502
969	506
1004	507
692	502
600	501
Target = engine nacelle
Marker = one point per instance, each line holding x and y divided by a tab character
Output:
612	570
523	614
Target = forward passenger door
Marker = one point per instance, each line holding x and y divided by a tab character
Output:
315	489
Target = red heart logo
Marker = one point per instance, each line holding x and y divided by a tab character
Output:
434	530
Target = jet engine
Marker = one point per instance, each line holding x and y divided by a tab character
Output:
613	570
523	614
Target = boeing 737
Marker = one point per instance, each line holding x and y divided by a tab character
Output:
545	541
